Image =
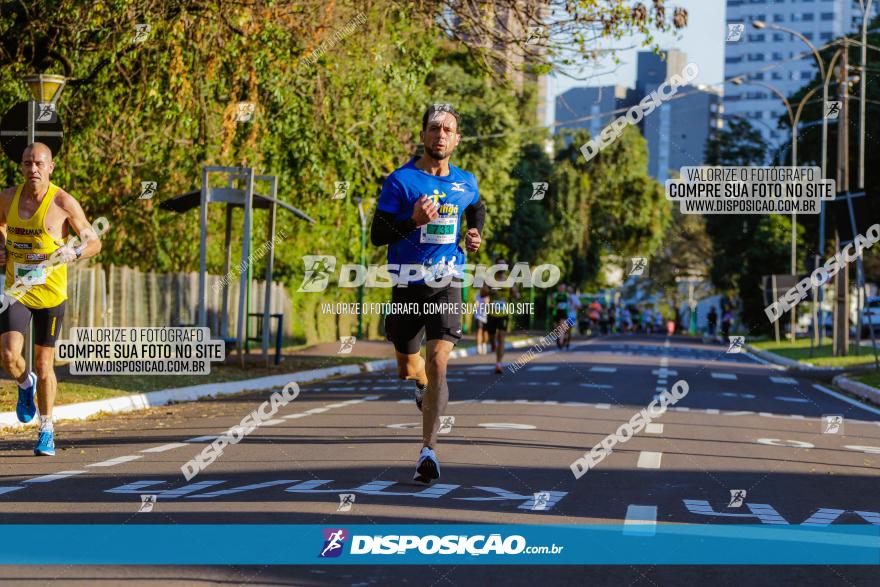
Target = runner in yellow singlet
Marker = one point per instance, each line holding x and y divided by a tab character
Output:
35	219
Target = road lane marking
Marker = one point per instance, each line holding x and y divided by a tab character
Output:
654	428
116	461
785	443
596	386
727	376
53	477
846	399
796	400
784	380
649	460
208	438
294	416
871	450
10	489
664	372
165	447
603	369
641	520
543	367
602	406
506	426
272	422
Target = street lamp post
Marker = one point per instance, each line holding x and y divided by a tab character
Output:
863	93
825	73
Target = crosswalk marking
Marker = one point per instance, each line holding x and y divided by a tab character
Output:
649	460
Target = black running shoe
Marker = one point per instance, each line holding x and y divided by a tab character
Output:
419	395
428	467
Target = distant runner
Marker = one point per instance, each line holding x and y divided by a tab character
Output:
500	300
480	319
559	305
35	219
419	217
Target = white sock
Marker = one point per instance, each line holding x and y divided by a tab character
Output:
46	423
31	380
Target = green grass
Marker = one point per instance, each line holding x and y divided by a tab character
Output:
80	388
872	378
822	356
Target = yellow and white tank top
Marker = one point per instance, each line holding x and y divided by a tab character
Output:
28	247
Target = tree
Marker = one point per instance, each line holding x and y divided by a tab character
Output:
686	250
746	246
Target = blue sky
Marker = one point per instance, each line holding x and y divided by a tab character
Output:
702	40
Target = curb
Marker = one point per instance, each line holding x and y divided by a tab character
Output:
862	390
152	399
791	363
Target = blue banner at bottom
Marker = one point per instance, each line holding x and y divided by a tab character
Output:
482	544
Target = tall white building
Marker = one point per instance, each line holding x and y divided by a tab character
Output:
770	56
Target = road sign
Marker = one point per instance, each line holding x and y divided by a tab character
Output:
14	129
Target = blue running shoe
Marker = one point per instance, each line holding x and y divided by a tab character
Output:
428	467
26	408
45	444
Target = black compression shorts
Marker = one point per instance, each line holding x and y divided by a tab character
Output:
496	324
47	322
407	329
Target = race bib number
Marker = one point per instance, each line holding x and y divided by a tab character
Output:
31	274
440	231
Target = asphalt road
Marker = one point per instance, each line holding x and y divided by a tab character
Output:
743	425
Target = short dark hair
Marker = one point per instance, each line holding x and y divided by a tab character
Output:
444	107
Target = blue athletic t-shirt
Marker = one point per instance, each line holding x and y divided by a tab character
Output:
433	245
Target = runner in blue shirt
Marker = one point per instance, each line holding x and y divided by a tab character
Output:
419	217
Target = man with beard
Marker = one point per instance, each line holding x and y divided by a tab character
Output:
419	217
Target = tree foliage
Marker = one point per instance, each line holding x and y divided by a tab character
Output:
339	89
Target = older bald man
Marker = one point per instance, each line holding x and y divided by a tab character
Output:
35	220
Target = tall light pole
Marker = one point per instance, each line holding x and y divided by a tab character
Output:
863	93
